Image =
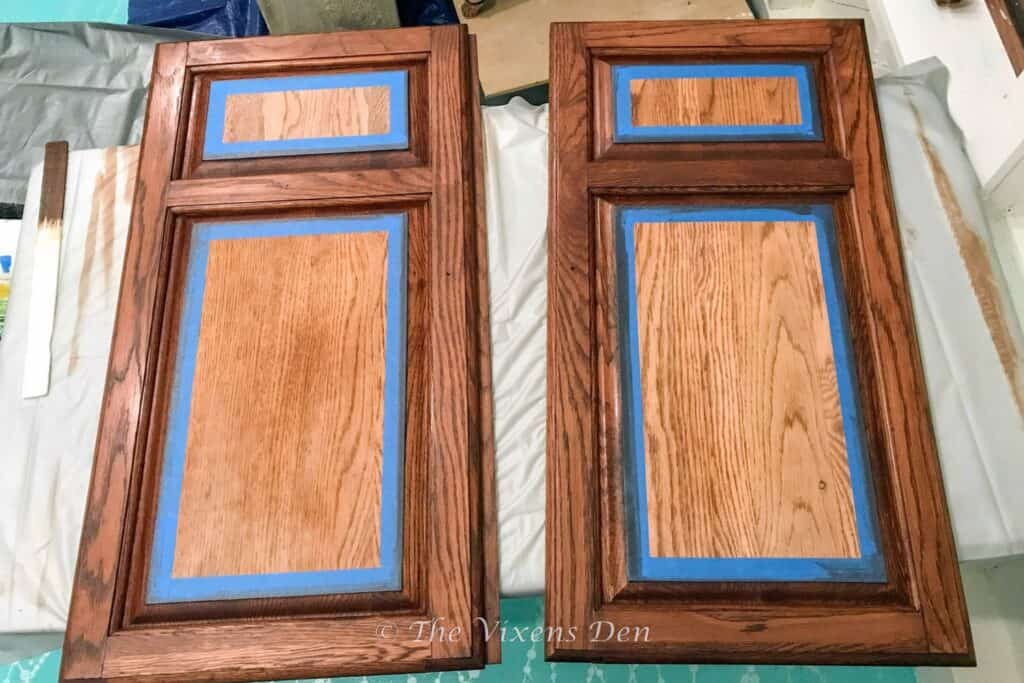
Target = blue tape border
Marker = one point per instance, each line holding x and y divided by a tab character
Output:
870	566
625	131
162	587
397	136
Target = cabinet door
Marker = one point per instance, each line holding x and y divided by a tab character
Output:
741	466
293	474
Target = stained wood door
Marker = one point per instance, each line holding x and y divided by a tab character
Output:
741	465
294	467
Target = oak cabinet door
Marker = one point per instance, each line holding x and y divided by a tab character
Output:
294	473
741	465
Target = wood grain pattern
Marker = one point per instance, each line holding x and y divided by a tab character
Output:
193	165
488	464
55	176
302	186
710	175
456	585
903	422
741	101
569	552
301	395
45	272
743	429
298	114
113	634
128	374
603	114
248	651
637	36
917	616
303	48
1013	42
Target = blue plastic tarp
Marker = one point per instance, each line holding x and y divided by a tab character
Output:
427	12
219	17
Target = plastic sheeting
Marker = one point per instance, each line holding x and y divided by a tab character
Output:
84	83
971	340
516	179
231	18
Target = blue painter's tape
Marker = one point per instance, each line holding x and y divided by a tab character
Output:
397	136
642	566
809	127
162	587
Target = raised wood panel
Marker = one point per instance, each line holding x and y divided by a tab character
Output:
743	428
297	114
298	378
766	370
303	390
740	101
327	112
686	101
403	145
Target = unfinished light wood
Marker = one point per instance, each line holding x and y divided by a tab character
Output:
743	431
298	114
521	29
741	101
918	614
113	634
303	391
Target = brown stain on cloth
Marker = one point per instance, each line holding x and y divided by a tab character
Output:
974	253
99	238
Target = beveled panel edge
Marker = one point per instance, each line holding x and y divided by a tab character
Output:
397	137
162	586
641	566
625	131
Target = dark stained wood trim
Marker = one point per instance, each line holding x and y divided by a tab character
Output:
122	417
918	615
902	396
488	465
603	118
1013	43
454	413
814	175
198	92
570	586
55	180
300	187
798	33
244	651
450	545
305	47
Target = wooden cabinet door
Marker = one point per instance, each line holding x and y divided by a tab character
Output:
741	466
293	473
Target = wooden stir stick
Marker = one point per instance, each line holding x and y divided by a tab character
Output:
45	271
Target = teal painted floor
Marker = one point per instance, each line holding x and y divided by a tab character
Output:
113	11
524	661
521	661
